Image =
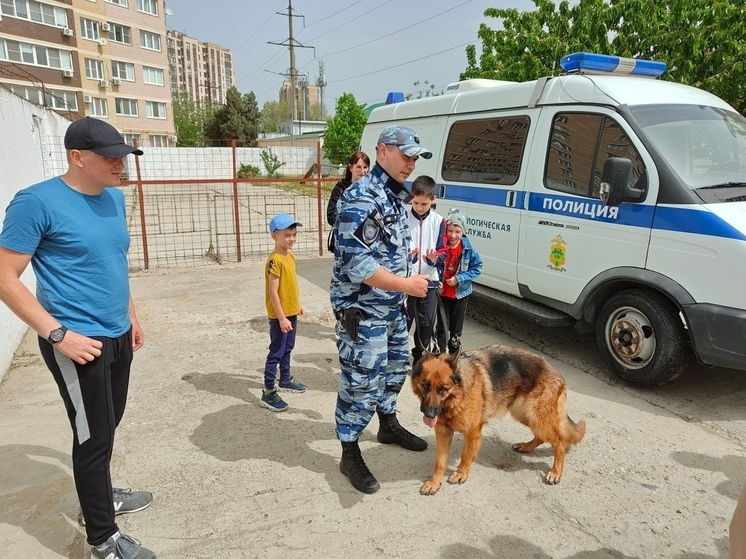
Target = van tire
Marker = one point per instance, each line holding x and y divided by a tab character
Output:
641	337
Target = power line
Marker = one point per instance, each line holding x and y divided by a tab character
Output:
395	32
271	58
330	16
260	28
360	17
368	73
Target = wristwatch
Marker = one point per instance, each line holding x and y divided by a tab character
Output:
56	335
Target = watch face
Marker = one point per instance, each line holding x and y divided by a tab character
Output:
56	335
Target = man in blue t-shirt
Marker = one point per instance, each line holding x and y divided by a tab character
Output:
72	229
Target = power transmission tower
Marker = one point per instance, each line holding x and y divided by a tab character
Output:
292	44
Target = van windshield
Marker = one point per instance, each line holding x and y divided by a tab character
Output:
705	146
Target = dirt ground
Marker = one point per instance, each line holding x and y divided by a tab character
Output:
234	480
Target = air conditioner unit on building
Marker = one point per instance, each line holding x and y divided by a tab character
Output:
115	81
102	42
86	98
103	83
173	138
67	32
105	26
67	73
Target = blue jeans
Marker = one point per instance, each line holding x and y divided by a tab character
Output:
280	345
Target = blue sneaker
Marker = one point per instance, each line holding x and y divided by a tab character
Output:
292	386
272	401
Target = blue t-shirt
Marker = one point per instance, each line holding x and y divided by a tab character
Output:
78	246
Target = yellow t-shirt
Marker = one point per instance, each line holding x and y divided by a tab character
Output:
284	268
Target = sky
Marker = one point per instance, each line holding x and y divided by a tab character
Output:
368	47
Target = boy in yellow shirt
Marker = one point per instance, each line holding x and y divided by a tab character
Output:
283	309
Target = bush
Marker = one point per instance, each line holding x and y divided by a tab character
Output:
271	162
247	171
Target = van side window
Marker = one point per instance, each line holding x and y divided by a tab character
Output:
579	145
486	150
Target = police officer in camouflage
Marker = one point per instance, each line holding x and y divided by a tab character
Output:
370	281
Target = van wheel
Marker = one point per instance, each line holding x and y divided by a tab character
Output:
641	337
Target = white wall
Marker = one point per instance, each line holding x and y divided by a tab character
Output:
25	159
31	150
216	163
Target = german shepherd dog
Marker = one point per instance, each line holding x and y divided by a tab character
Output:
463	391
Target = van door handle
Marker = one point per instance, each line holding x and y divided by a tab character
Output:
441	191
510	199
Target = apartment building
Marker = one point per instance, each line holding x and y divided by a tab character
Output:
306	95
203	70
100	58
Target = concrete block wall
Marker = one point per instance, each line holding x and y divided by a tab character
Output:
25	159
215	163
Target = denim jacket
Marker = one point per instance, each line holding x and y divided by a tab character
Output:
469	268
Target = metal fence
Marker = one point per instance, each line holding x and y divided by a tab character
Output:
177	222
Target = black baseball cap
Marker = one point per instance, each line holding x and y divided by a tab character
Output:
99	137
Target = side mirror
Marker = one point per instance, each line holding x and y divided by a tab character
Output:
614	180
615	187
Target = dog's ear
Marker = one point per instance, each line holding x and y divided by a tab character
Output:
456	378
453	358
417	368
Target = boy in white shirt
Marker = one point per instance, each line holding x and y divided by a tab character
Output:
428	233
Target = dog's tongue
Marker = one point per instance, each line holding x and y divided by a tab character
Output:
430	421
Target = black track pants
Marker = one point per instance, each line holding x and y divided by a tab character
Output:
95	395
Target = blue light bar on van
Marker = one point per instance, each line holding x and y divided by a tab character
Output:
607	64
394	97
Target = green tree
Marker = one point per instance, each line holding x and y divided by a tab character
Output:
189	121
344	130
238	119
703	42
272	113
316	112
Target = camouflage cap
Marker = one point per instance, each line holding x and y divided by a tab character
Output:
405	139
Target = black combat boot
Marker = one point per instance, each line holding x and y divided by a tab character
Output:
353	466
390	431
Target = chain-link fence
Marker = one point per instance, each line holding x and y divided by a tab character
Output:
194	206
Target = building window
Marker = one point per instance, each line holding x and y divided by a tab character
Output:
131	139
35	11
54	98
156	109
117	2
126	107
94	69
486	150
62	100
120	33
148	6
158	141
27	53
123	70
99	107
150	41
89	29
152	75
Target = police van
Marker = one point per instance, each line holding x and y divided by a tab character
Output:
603	198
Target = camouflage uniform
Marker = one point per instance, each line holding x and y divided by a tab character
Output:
372	232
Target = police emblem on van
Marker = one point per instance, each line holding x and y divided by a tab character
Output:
557	254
